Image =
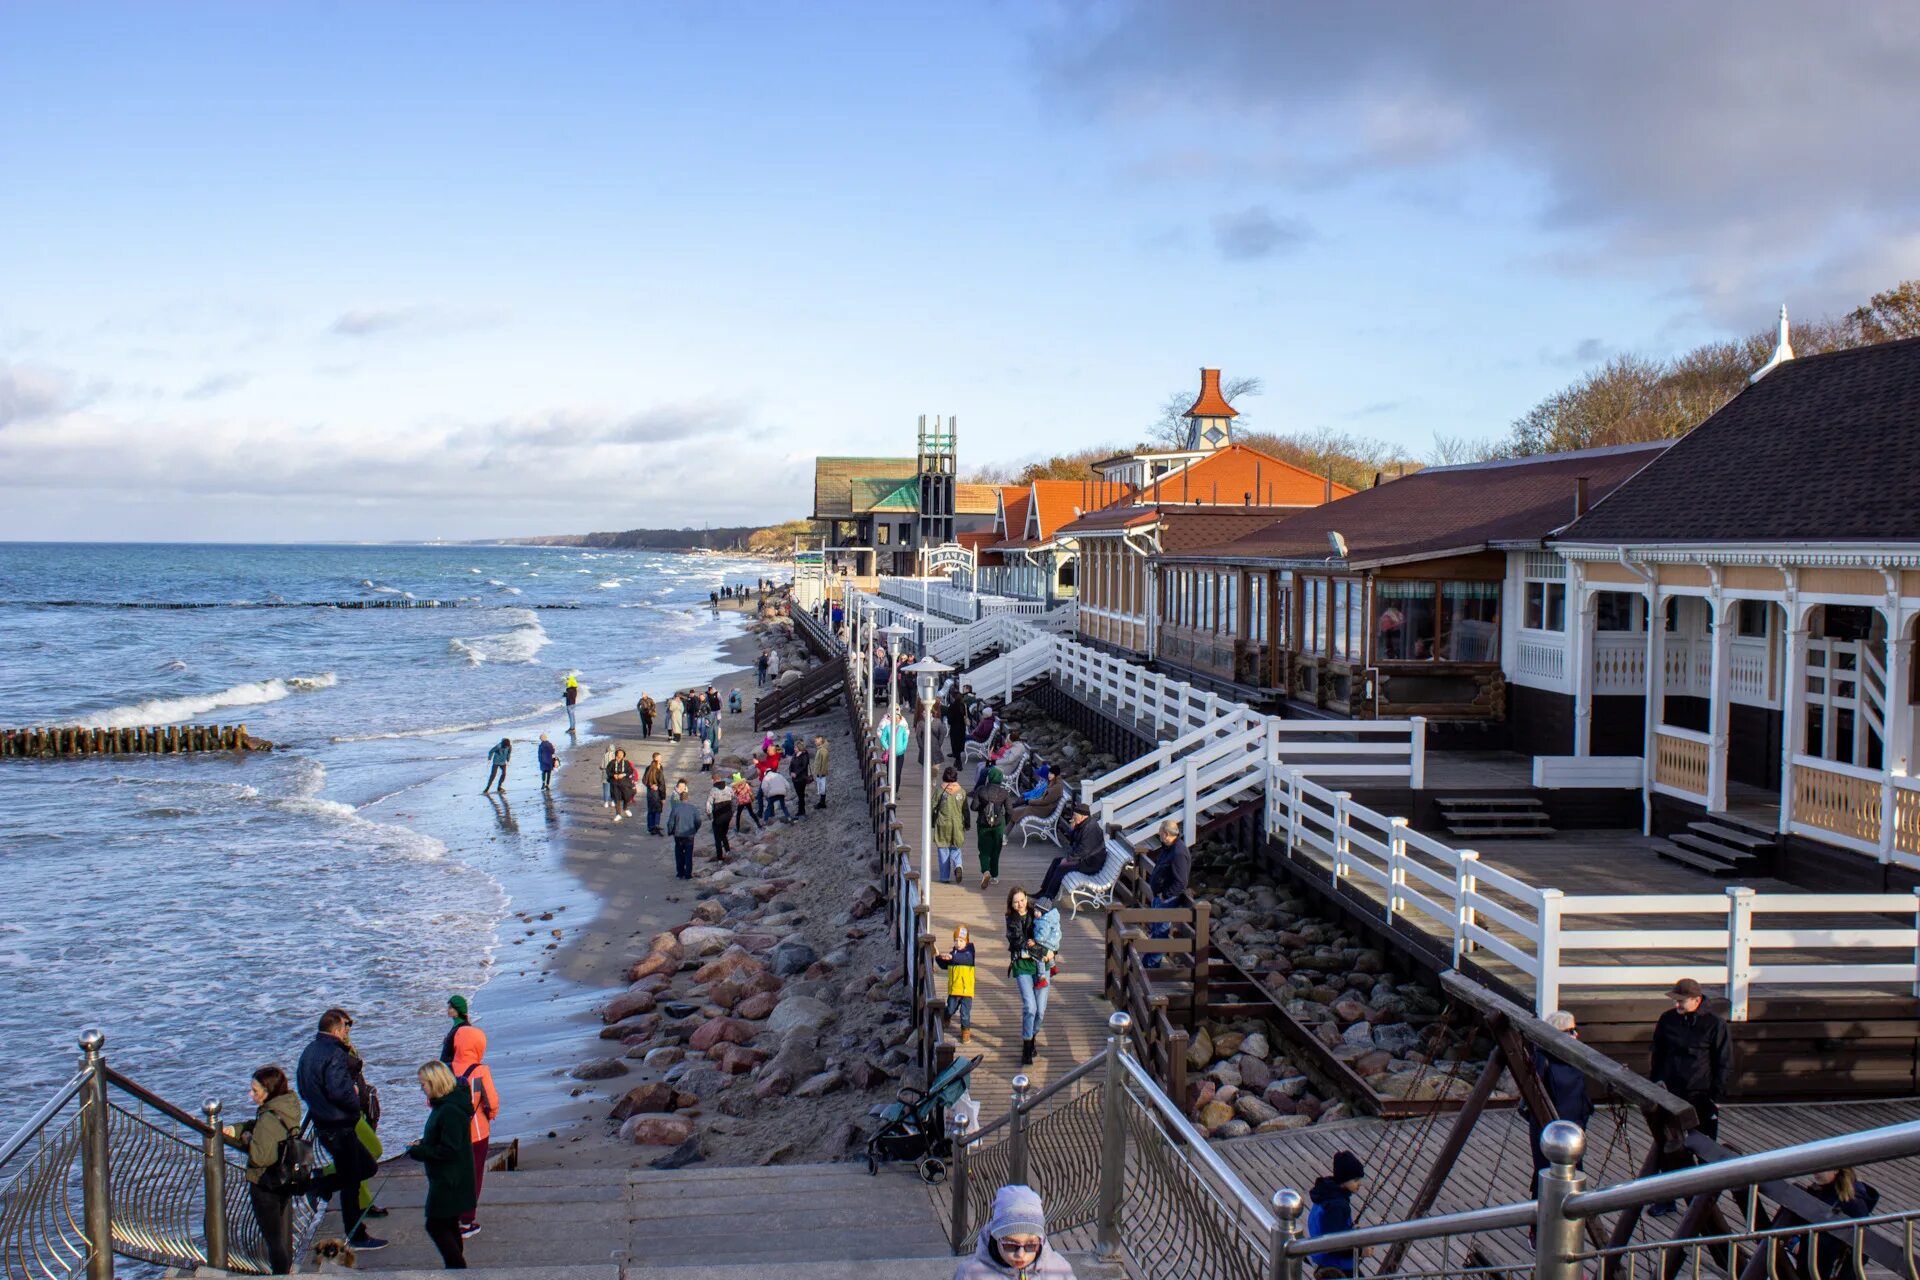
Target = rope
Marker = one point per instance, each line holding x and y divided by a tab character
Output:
1389	1184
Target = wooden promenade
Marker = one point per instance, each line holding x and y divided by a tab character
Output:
1077	1009
1495	1168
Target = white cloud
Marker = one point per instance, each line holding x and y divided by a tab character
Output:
29	393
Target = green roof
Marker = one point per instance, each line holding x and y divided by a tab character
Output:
867	494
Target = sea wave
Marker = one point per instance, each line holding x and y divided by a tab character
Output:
173	710
518	645
438	729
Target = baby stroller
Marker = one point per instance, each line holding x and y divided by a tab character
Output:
915	1127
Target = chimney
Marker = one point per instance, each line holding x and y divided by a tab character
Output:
1378	476
1579	496
1329	491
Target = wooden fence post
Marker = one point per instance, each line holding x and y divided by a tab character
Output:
1739	951
1465	885
1417	760
1341	831
1546	996
1396	866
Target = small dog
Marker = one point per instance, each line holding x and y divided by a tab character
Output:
332	1253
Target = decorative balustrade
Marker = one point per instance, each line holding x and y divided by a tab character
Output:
1680	762
1838	801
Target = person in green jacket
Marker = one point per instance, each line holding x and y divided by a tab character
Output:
446	1149
951	820
277	1119
993	802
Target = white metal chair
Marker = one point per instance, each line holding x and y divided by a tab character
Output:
1097	890
975	752
1047	827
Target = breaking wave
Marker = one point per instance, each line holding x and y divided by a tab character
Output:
173	710
518	645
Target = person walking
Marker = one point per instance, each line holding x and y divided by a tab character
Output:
457	1013
646	709
744	805
446	1149
275	1120
773	665
1332	1212
820	769
760	669
676	718
956	717
958	961
720	814
654	779
548	758
1027	963
951	821
992	801
572	696
930	731
1013	1244
895	734
1566	1090
1692	1059
622	779
470	1069
799	762
326	1083
683	823
713	705
497	756
606	776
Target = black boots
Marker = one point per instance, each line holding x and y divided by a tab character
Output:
1026	1053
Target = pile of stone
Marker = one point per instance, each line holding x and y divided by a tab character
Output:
735	1006
1388	1030
1071	754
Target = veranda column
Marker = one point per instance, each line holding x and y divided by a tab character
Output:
1719	705
1793	705
1580	655
1655	698
1898	748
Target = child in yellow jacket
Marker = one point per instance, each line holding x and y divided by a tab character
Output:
959	966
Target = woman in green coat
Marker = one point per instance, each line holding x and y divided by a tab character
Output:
446	1148
992	801
277	1119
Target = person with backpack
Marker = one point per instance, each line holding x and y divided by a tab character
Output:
646	709
655	781
683	824
548	758
572	696
775	790
446	1149
951	821
744	805
733	702
497	756
275	1157
470	1068
1332	1213
720	815
992	801
621	779
336	1105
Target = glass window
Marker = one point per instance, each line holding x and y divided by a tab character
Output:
1617	611
1403	614
1349	627
884	530
1230	604
1356	637
1313	602
1751	620
1546	606
1470	621
1257	608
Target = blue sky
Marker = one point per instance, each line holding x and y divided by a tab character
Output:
405	271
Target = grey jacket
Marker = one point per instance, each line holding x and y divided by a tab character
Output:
682	819
1016	1209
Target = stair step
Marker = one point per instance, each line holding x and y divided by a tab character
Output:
1731	835
1500	832
1503	802
1698	861
1712	849
1509	815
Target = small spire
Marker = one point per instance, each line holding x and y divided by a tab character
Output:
1782	351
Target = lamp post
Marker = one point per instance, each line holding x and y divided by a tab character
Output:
927	673
866	650
893	631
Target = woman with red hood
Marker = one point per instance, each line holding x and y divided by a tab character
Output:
470	1068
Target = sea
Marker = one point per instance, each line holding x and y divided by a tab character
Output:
203	910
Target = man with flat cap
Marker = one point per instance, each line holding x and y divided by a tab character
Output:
1692	1058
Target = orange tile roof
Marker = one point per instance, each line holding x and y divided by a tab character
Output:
1229	476
1014	500
981	544
1210	403
1059	501
973	499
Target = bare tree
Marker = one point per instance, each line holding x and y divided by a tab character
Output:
1169	428
1450	451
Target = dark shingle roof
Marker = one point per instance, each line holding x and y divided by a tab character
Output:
1824	448
1445	509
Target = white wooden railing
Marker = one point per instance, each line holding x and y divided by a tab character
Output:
1620	667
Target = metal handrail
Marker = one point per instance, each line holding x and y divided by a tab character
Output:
1170	1115
1852	1226
1028	1106
25	1134
1465	1222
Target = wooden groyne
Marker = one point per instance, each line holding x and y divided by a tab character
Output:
171	739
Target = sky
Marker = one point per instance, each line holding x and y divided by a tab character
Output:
376	271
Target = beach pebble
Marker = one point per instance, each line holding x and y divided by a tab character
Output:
599	1069
657	1130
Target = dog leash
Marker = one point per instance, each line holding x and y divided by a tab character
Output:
373	1198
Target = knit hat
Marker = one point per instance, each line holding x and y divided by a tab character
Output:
459	1005
1017	1211
1347	1167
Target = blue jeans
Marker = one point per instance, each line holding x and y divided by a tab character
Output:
950	867
1033	1005
570	724
766	808
1163	929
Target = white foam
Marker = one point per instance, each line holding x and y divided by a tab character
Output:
438	729
518	645
174	710
609	584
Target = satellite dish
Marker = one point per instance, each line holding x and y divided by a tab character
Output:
1338	542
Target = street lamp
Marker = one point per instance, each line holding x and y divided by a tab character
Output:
893	631
927	673
866	651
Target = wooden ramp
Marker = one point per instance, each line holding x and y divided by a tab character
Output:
1077	1008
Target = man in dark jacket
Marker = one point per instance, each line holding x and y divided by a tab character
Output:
799	765
1167	882
1566	1089
1086	851
1332	1212
1692	1058
683	823
326	1085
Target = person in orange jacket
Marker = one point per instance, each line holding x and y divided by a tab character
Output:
469	1067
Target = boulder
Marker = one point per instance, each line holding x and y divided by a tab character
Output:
656	1130
1396	1038
1227	1043
733	962
665	1056
1280	1124
762	983
1215	1114
1200	1050
1359	1035
719	1031
1253	1110
641	1024
656	964
1256	1046
1233	1129
800	1012
866	903
1368	1064
791	957
705	940
757	1007
738	1059
1224	1072
709	911
626	1004
654	1096
599	1069
1255	1074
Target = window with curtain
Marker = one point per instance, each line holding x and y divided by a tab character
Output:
1230	604
1356	635
1403	620
1470	621
1257	608
1313	616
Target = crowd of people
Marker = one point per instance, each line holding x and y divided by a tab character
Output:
330	1098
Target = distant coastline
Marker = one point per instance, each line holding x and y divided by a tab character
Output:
770	542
